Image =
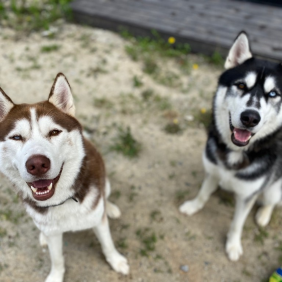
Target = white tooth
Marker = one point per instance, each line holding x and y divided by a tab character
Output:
50	186
33	189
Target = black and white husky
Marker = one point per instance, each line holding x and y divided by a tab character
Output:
59	175
243	153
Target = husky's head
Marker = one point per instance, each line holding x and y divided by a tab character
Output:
247	105
41	147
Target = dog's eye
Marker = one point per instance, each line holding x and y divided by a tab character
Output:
54	132
241	86
272	94
16	138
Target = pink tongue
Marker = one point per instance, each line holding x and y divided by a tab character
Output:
41	183
241	134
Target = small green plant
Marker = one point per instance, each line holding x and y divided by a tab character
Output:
50	48
216	59
147	94
156	215
95	71
150	65
148	239
172	128
180	196
103	103
3	232
122	244
116	194
137	82
261	236
126	144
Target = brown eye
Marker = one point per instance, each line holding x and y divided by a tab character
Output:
16	138
54	132
241	86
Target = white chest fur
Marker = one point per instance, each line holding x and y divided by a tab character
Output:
228	180
70	216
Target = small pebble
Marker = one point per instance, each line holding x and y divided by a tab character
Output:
189	118
184	268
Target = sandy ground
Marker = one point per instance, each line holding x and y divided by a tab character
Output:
149	188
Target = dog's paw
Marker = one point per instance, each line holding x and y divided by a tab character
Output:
263	216
190	207
234	250
42	240
55	277
112	210
118	263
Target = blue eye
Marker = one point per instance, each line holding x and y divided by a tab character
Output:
272	94
16	137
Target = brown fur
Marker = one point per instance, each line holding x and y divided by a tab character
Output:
92	172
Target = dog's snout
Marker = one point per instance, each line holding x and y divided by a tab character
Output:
37	165
250	118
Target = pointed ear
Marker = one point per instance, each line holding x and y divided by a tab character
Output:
60	95
6	104
239	52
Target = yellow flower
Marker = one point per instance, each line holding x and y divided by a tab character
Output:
171	40
203	110
195	66
175	121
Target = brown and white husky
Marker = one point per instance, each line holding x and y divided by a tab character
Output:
60	176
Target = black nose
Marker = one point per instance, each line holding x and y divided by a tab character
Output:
250	118
37	165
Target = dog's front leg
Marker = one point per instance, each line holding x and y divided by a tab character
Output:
113	257
233	245
57	259
208	187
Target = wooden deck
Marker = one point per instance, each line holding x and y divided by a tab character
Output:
207	25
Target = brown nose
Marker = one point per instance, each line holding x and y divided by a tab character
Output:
37	165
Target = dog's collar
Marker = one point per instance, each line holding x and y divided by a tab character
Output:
51	206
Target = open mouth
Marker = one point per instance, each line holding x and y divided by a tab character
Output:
240	137
44	189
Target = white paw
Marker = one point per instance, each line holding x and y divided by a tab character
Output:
42	240
55	277
112	210
190	207
234	250
118	263
263	216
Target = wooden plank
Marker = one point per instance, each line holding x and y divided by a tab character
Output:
203	24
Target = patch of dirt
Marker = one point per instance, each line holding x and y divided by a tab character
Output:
148	189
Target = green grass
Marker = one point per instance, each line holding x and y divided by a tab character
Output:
261	236
28	16
49	48
156	216
153	44
122	244
216	59
147	94
137	82
103	103
148	240
180	196
3	232
172	128
126	144
152	51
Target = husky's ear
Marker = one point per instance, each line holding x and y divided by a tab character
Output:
60	95
6	104
239	52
